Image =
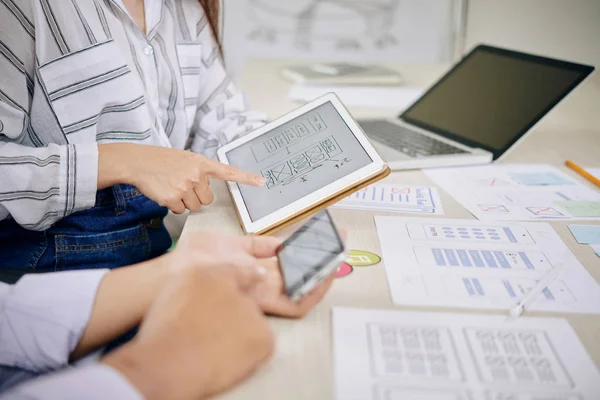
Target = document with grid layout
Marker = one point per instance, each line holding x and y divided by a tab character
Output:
481	265
402	355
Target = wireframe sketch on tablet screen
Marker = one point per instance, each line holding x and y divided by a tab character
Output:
298	164
298	158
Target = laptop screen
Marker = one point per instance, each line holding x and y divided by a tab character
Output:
493	96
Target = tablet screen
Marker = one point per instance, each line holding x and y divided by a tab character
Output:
297	158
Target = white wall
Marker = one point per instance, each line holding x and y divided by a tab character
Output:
568	29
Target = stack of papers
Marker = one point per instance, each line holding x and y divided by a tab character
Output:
513	192
481	265
399	355
394	198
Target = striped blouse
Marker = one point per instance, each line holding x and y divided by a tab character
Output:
75	73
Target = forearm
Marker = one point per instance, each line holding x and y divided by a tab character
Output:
113	163
141	367
123	297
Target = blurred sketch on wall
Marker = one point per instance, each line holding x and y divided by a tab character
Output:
348	30
339	24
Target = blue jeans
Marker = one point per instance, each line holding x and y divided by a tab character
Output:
123	228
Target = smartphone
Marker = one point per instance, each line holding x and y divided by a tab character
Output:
310	254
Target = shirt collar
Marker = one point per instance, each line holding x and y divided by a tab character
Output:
153	10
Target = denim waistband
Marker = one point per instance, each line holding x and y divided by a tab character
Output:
116	194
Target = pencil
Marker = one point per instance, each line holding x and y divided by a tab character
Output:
583	172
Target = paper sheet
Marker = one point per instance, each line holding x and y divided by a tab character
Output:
581	208
399	355
586	234
395	198
481	265
395	98
512	192
594	171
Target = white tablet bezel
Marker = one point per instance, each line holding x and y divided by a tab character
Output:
317	197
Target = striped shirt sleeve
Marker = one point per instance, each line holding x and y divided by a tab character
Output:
39	184
223	113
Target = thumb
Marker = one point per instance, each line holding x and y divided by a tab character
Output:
249	276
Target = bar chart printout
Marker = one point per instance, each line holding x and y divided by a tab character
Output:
395	198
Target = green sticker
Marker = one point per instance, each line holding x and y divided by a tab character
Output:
359	258
172	246
581	208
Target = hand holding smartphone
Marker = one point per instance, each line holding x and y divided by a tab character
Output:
310	254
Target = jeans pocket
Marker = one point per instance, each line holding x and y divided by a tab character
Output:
102	250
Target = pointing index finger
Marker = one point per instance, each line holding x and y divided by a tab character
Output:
215	169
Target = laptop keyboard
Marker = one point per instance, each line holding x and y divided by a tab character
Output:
409	142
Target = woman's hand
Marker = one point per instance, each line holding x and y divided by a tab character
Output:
176	179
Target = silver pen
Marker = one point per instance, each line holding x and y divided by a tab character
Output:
533	294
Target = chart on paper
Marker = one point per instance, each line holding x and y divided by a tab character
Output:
513	192
398	355
478	264
394	198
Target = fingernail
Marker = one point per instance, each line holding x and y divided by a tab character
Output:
262	271
260	180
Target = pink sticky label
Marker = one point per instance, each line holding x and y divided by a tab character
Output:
343	270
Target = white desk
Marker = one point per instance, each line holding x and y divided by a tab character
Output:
302	365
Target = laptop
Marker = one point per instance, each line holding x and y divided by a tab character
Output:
476	112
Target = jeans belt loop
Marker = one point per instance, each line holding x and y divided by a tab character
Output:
121	204
155	223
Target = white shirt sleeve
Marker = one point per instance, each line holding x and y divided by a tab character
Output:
97	382
223	113
43	316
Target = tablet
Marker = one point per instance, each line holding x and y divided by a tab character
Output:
310	158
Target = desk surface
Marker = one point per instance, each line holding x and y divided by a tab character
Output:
302	365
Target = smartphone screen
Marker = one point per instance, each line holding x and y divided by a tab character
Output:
308	251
